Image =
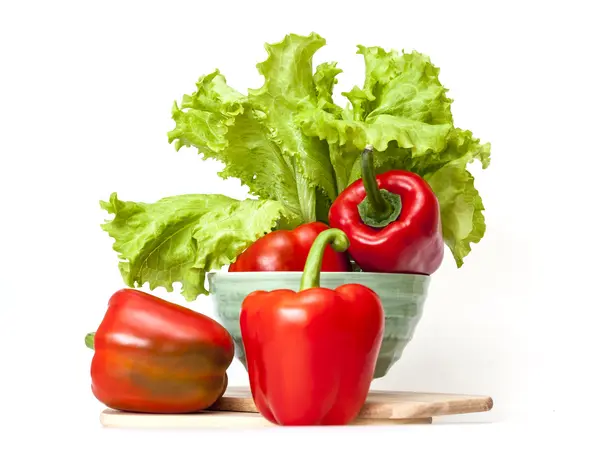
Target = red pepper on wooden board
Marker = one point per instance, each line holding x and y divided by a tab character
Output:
154	356
392	220
311	354
287	250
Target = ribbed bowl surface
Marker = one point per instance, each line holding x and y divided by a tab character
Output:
402	297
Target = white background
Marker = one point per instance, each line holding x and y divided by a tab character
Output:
86	90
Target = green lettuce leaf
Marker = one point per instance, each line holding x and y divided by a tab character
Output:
402	101
325	79
461	208
181	238
404	112
404	85
255	136
220	123
288	74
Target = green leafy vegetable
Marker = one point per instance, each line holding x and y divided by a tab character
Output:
404	113
256	137
288	81
222	125
180	238
296	150
461	208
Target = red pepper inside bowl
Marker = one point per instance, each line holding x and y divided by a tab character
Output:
392	220
287	250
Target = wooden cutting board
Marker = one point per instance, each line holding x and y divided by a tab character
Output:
236	409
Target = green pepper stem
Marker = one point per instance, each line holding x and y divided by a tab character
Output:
380	207
89	340
311	277
378	204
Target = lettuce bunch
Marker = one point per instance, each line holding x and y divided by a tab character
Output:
296	150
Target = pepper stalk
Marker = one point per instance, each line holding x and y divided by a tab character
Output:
311	277
380	207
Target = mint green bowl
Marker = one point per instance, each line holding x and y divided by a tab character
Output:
402	297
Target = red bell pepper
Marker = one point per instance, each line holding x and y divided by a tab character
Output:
154	356
287	250
311	354
393	221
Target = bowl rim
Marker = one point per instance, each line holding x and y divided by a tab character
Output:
281	273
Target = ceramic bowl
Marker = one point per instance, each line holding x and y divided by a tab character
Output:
402	297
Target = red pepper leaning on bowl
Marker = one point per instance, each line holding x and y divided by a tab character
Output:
311	354
287	250
392	220
154	356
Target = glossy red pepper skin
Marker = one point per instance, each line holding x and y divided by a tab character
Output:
413	243
311	354
284	250
154	356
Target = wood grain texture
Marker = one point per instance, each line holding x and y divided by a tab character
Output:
382	404
216	419
237	410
